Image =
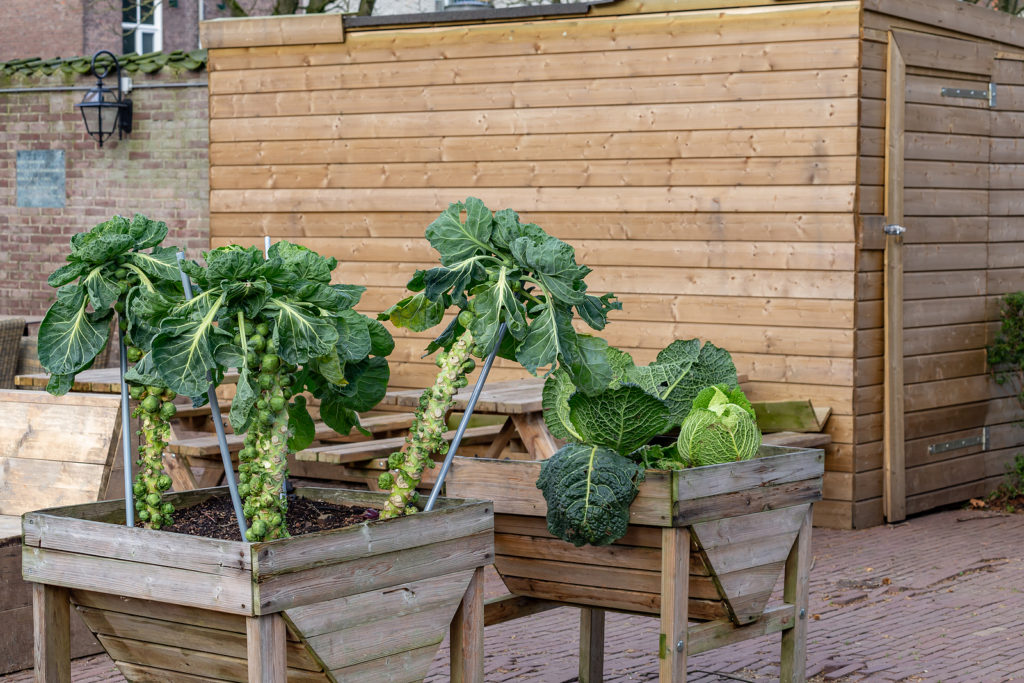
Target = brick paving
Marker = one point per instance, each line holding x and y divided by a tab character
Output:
939	598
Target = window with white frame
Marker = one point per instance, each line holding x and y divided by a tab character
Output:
141	26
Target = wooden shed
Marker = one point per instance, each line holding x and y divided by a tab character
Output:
727	167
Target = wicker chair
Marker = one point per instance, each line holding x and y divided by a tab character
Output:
11	330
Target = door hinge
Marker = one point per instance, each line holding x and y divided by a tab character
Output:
989	95
893	229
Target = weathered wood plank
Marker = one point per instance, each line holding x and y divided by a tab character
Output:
266	655
51	616
674	580
271	31
467	633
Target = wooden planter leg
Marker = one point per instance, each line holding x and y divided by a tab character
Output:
51	618
467	634
675	580
795	592
591	645
265	638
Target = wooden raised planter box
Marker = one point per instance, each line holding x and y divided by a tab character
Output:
704	545
366	603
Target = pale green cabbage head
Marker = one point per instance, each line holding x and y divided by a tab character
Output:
720	428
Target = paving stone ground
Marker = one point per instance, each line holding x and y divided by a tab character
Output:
939	599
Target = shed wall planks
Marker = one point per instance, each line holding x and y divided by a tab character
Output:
712	175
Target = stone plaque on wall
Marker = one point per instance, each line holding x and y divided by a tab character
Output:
40	178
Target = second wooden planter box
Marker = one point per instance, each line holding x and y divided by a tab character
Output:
706	544
366	603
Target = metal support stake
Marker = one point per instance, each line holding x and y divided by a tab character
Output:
218	423
129	493
473	398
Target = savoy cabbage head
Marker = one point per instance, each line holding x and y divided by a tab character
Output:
721	427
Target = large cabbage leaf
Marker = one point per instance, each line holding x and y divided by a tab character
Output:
588	490
681	371
622	419
720	428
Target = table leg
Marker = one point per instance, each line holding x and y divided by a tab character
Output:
51	618
265	644
795	591
467	634
535	435
591	645
675	587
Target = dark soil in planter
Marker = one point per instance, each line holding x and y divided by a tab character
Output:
215	518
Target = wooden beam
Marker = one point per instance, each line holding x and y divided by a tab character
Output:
51	615
591	645
266	648
467	634
796	589
895	503
675	579
306	29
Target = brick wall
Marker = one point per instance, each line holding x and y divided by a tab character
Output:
160	170
31	28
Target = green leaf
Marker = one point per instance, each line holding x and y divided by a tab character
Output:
352	293
300	425
555	402
330	368
67	273
622	419
456	241
233	264
336	414
69	336
586	360
102	288
354	342
144	373
416	313
620	362
594	310
305	263
243	405
367	384
144	310
554	263
381	341
588	490
146	232
545	337
496	303
681	370
183	351
104	247
298	334
58	385
724	394
161	264
323	296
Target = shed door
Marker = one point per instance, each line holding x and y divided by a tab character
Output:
936	187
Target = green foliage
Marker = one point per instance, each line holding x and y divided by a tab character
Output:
588	490
1006	354
107	268
287	330
720	428
637	405
502	271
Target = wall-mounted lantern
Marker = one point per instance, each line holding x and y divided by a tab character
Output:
104	110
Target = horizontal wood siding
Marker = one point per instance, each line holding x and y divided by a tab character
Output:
703	163
960	255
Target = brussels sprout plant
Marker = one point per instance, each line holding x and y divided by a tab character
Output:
108	271
495	270
287	330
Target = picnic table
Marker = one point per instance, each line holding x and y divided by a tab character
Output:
95	381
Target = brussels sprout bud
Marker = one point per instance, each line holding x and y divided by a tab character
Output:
247	453
262	404
169	395
243	490
466	318
163	482
153	499
286	380
168	410
122	286
250	535
276	520
154	390
257	342
396	459
270	362
468	366
266	381
140	504
271	346
135	391
138	489
134	354
155	525
144	515
237	339
277	403
385	480
151	404
167	509
263	330
119	306
259	528
249	328
266	417
243	476
251	359
122	324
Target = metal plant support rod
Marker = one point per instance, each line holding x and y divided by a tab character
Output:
129	492
463	423
218	423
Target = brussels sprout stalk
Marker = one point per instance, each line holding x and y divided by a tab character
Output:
426	436
153	410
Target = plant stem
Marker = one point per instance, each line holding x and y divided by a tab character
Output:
269	468
151	480
426	436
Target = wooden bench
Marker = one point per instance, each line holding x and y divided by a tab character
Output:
363	461
53	451
194	462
